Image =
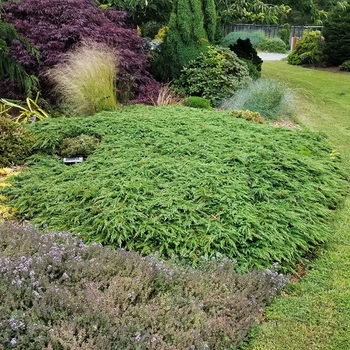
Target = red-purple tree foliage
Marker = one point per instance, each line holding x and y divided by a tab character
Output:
56	26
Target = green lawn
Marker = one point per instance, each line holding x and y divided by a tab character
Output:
315	313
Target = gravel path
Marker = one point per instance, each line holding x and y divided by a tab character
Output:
268	56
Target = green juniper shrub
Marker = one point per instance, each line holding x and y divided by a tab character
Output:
249	115
254	37
267	97
308	50
59	293
16	142
345	66
185	182
197	102
80	146
245	51
272	45
214	75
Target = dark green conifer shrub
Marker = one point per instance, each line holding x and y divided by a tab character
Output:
336	31
16	142
245	51
214	75
191	29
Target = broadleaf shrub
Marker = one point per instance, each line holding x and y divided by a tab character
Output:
16	142
308	50
57	26
214	75
58	293
267	97
185	182
345	66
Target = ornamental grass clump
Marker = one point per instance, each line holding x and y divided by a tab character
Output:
267	97
86	80
59	293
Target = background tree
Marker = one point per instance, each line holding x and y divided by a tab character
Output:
191	29
336	32
11	71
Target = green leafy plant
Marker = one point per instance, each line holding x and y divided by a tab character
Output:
284	33
249	115
272	45
185	182
345	66
214	75
86	80
308	50
80	146
267	97
28	112
197	102
16	142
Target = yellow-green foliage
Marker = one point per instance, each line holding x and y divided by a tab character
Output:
161	33
86	80
249	115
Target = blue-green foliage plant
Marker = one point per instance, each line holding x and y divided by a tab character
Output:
268	97
254	37
272	45
185	182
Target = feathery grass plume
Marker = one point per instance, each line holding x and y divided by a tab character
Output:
86	80
267	97
166	97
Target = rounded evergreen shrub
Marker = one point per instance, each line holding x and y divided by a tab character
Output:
197	102
16	142
345	66
272	45
336	31
80	146
308	50
214	75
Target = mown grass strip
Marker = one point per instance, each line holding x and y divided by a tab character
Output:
314	314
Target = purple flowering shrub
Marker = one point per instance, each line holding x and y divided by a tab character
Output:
57	26
58	293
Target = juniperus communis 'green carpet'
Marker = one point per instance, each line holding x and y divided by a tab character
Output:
187	182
